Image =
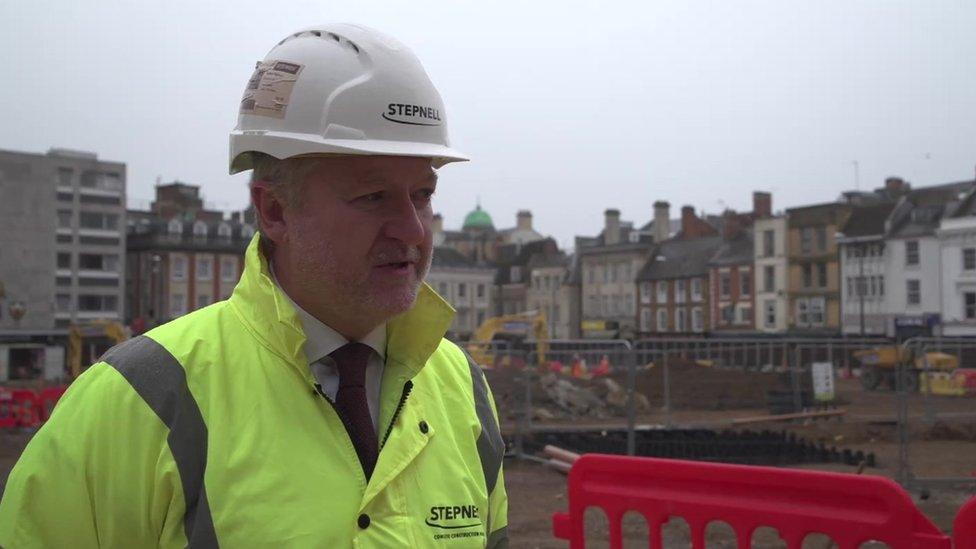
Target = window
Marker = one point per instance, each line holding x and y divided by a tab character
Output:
606	273
914	291
629	304
64	219
97	302
591	275
881	284
203	300
174	227
728	314
911	252
968	258
816	311
802	319
480	291
555	313
807	275
645	323
228	269
92	220
98	262
247	231
850	286
179	268
679	291
970	304
613	272
662	291
200	229
593	304
769	241
697	324
442	289
872	286
822	272
516	273
770	317
177	305
627	275
64	177
696	289
745	315
745	282
662	320
822	239
64	260
62	303
679	319
223	230
462	290
725	284
481	317
645	292
204	267
769	278
806	240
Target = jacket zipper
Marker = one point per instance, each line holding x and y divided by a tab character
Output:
403	399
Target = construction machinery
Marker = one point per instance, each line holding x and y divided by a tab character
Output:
88	341
942	373
514	329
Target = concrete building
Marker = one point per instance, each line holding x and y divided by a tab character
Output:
864	265
513	275
913	293
62	253
466	285
608	265
957	238
181	256
770	270
814	269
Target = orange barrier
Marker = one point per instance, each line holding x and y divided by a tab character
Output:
27	408
48	398
851	509
7	418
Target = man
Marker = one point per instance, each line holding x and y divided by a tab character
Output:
320	405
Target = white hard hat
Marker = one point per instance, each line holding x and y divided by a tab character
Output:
340	89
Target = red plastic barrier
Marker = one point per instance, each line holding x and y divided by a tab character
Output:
27	408
7	418
964	527
48	399
851	509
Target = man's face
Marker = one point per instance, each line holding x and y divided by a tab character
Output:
359	240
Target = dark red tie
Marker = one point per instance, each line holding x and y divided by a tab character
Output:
351	403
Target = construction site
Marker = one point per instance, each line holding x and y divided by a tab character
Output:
900	412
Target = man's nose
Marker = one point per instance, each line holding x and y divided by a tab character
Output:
406	223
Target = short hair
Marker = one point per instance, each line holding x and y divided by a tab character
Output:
284	177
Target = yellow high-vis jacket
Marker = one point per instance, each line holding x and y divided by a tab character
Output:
208	431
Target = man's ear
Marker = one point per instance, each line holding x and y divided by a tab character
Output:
270	212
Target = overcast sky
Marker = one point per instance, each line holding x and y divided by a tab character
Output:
566	108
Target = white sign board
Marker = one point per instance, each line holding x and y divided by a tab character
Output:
823	381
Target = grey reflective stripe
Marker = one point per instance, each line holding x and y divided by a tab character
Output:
491	448
158	378
498	539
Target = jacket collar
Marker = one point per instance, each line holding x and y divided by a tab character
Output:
410	337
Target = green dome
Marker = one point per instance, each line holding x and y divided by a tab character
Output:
478	219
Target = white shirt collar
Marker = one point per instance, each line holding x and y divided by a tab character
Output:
321	339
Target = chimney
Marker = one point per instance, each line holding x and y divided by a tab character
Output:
762	204
731	225
523	220
611	226
662	221
894	185
688	221
437	225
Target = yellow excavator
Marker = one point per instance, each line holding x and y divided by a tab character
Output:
88	341
514	329
944	375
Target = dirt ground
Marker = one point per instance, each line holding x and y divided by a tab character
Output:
940	449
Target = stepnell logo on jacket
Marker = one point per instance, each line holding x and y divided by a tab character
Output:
452	521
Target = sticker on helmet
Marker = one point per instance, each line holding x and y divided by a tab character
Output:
269	88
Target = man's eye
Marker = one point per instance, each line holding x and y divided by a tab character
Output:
425	194
371	197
